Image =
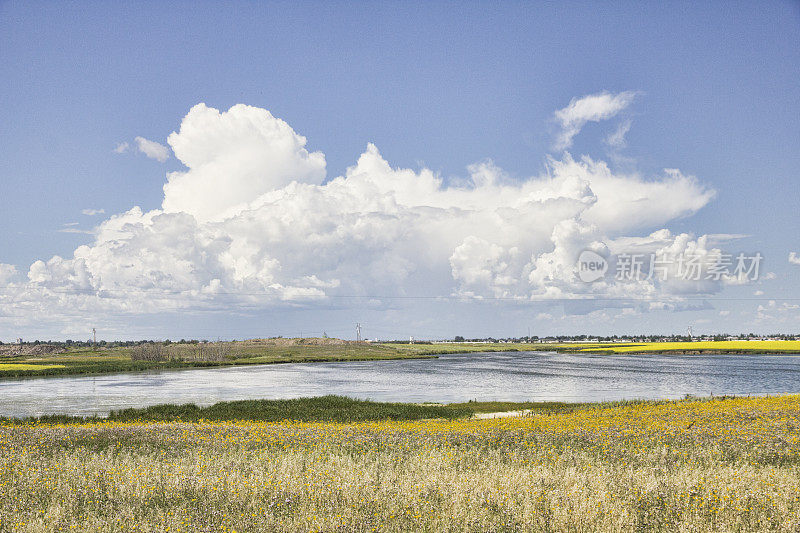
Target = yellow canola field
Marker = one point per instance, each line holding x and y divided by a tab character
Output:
26	366
744	346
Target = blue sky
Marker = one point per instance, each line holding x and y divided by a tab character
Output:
433	85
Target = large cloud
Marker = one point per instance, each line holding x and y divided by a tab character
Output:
250	222
234	157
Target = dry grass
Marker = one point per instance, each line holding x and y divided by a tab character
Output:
724	465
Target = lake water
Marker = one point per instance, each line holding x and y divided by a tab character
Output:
515	376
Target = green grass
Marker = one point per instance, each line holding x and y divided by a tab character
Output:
317	409
118	360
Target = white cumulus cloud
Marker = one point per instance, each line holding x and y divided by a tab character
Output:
590	108
249	223
794	258
232	158
152	149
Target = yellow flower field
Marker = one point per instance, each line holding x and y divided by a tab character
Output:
25	366
704	465
728	346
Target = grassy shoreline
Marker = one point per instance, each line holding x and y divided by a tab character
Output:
119	360
722	464
314	409
114	367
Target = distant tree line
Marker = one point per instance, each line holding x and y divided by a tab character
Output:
106	344
628	338
458	338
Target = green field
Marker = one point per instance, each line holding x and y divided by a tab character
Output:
112	360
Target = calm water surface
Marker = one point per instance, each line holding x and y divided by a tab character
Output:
513	376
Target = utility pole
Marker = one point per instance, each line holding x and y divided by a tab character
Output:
358	332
